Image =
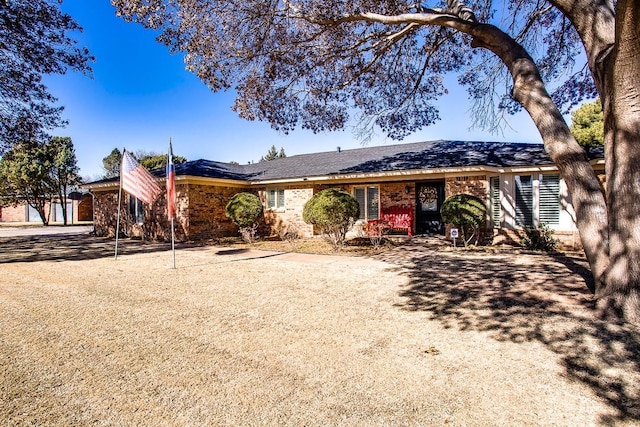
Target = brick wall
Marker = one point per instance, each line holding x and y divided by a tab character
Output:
203	211
105	213
155	226
395	194
391	194
19	213
399	194
476	185
13	214
279	221
199	214
82	211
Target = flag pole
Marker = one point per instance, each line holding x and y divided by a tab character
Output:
119	205
173	244
170	177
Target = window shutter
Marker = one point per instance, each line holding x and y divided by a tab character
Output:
550	199
524	200
494	184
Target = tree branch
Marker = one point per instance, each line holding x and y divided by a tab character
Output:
595	23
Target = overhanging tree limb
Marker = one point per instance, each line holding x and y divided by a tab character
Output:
530	91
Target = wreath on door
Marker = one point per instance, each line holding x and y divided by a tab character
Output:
428	198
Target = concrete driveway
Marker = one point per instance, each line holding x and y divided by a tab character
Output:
39	230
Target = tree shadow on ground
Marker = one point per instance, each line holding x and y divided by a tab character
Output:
70	247
525	297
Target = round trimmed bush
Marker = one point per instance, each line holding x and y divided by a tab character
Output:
244	209
466	212
333	211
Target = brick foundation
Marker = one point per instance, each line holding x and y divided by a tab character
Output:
568	240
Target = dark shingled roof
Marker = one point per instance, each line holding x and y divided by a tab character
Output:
385	158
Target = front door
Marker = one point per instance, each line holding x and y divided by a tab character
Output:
429	198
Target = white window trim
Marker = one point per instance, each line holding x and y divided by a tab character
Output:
508	203
277	207
366	200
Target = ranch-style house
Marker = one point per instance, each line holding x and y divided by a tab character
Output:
519	182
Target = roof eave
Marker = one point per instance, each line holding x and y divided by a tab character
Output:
400	175
193	179
180	179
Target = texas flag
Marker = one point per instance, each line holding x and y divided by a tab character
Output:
171	184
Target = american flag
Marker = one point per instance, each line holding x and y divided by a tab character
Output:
171	184
137	181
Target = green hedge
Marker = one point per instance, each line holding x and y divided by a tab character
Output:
244	209
466	212
333	211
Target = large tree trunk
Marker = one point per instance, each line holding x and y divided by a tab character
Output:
40	206
621	107
570	158
609	230
62	194
529	90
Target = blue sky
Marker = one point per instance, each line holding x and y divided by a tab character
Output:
141	95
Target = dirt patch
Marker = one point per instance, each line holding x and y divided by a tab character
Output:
239	336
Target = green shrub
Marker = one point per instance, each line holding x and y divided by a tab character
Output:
539	238
333	211
245	210
467	213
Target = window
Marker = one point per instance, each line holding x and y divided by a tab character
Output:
494	186
57	212
550	199
369	202
524	200
275	198
32	214
136	209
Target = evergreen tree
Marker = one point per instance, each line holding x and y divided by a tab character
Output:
273	154
64	171
111	164
152	160
26	173
587	124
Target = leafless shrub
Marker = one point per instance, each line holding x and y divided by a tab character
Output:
375	231
249	233
290	234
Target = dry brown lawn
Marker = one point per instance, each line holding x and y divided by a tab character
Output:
414	335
